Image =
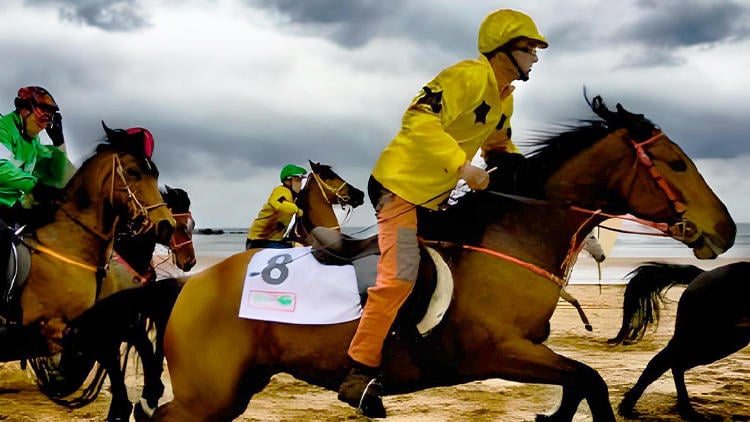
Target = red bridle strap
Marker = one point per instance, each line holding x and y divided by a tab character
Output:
661	182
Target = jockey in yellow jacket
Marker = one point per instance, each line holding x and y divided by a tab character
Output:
269	227
464	108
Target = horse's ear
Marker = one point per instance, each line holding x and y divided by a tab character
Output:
600	109
108	131
621	110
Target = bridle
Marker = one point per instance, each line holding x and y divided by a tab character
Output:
108	238
643	158
188	219
325	187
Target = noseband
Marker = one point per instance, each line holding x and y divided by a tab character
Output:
325	187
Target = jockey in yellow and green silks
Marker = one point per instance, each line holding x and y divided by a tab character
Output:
465	107
269	227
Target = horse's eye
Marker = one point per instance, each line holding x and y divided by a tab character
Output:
134	174
678	165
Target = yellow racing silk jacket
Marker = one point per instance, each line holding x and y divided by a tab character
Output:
452	117
274	216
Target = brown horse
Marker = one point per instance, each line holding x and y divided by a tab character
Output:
60	375
499	317
96	335
70	253
323	189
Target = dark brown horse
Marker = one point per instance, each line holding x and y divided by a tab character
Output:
713	321
61	375
499	317
70	253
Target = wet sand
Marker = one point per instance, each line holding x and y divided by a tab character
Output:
720	390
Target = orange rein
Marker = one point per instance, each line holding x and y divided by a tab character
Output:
575	247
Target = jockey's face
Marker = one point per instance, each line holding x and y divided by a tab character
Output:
525	55
31	123
296	184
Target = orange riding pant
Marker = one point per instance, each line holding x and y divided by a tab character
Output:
397	270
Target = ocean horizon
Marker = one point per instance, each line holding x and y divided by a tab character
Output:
628	248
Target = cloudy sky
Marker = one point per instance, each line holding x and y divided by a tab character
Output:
234	89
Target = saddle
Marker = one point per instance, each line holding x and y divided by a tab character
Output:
16	263
430	298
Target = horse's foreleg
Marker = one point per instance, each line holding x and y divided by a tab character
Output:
525	361
153	388
655	368
120	407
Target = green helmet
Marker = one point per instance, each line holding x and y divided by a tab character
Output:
291	170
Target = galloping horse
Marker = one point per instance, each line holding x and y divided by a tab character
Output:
69	254
499	317
713	321
133	263
60	376
97	334
316	201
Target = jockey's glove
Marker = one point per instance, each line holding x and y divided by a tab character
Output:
55	130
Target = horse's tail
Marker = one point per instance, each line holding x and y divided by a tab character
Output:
644	295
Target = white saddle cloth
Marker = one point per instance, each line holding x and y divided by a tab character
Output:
290	286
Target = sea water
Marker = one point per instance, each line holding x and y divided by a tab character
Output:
637	246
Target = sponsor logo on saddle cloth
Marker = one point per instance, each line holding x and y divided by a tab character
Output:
290	286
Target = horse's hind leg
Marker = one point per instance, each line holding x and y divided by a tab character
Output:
655	368
525	361
683	400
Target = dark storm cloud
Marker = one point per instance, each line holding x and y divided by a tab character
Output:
186	148
109	15
677	23
353	24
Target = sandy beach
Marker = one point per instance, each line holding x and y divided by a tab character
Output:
720	390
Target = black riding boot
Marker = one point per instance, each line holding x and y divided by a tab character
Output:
362	390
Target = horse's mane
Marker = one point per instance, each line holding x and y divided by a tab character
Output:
466	221
177	199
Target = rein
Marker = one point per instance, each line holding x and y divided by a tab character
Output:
108	238
568	262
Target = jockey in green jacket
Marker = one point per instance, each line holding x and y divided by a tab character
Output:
24	160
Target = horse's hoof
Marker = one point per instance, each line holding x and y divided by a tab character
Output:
588	327
119	412
626	409
364	393
141	413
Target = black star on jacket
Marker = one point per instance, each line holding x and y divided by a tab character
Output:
432	99
481	113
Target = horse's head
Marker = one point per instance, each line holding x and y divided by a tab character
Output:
131	181
625	164
181	242
335	189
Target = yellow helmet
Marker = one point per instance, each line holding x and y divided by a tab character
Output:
505	25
